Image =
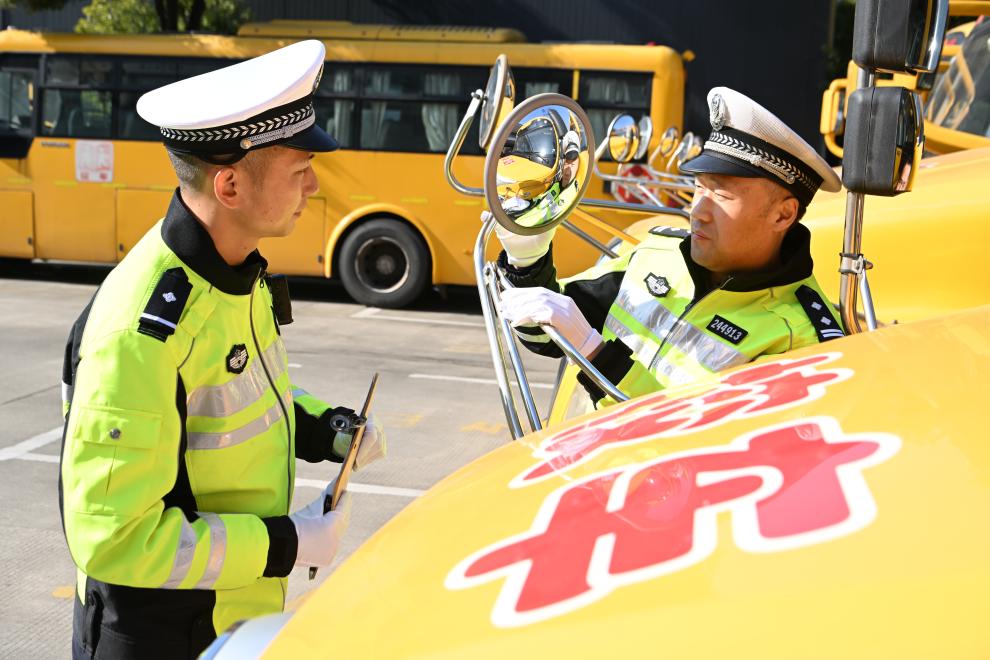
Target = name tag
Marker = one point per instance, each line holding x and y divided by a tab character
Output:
726	330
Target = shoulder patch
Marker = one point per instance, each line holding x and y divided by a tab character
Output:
670	232
161	315
819	314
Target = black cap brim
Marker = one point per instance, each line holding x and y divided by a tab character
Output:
714	163
313	138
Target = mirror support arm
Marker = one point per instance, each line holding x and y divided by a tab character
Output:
488	311
458	141
514	358
591	240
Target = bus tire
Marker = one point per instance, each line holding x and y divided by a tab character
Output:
384	263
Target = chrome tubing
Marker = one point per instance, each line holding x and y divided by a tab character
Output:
672	185
584	364
514	358
864	291
488	312
591	240
647	193
573	354
627	206
458	142
848	273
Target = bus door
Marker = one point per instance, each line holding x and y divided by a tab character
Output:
73	162
18	100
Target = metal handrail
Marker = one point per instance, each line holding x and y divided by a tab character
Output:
458	142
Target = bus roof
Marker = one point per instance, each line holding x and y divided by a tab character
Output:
345	30
566	56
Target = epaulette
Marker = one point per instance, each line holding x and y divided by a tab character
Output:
161	315
670	232
819	314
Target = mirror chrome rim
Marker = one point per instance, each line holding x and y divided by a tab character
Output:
635	136
645	135
498	143
486	128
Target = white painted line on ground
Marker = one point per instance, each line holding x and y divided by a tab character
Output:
484	381
32	443
294	365
40	458
364	488
373	313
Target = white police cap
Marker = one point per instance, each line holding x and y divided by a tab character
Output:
261	102
750	141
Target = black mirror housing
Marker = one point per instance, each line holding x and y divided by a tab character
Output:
884	141
899	35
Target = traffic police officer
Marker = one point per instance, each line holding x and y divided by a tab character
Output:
182	425
682	305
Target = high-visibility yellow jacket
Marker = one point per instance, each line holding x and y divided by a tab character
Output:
178	459
665	324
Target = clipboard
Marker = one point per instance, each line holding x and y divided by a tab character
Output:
347	466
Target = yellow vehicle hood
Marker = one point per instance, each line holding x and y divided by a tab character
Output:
928	246
832	503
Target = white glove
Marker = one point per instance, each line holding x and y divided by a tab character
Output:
372	444
521	250
319	534
539	306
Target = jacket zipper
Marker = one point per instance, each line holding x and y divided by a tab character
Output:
271	381
677	324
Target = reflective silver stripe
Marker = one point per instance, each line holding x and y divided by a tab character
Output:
157	319
184	554
240	392
253	428
643	348
708	351
298	392
218	550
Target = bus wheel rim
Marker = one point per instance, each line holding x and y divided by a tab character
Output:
382	264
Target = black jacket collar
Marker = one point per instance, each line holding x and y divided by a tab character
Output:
795	265
189	240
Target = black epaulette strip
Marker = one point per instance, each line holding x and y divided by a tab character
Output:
161	314
819	313
670	232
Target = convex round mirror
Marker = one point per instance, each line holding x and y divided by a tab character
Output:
539	164
645	135
500	98
623	139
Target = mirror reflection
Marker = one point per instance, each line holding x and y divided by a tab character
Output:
910	142
623	139
542	167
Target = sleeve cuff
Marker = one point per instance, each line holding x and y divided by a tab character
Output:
614	361
542	273
282	546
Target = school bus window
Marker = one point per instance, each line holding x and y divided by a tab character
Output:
79	72
130	126
961	98
336	116
76	113
147	74
605	94
530	82
16	100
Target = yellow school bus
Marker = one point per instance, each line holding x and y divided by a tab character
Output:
82	177
957	96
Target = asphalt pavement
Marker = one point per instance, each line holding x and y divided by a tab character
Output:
437	399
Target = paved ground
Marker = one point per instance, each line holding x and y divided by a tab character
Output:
437	399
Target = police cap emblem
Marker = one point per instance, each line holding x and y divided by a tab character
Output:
657	285
717	112
237	358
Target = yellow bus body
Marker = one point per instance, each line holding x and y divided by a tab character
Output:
48	214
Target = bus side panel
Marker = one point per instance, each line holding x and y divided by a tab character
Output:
74	219
137	212
16	224
301	252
